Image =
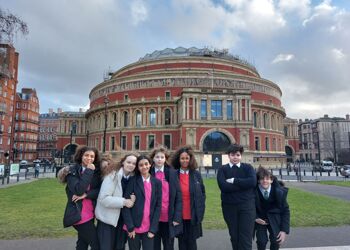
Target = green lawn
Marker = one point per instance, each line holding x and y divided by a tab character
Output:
35	210
337	183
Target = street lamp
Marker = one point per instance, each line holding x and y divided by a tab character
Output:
106	101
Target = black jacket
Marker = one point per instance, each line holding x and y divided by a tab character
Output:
243	187
133	216
279	215
78	183
175	200
197	194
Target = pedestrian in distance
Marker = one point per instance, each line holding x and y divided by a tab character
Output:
171	211
110	201
193	197
83	185
237	182
272	211
36	170
141	221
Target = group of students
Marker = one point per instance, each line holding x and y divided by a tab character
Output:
142	200
149	200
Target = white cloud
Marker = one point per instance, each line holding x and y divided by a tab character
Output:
338	54
139	12
283	58
322	10
300	7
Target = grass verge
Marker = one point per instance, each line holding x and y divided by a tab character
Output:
336	183
35	210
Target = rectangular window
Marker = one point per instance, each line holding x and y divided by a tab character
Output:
216	109
112	143
126	97
257	143
203	109
167	141
229	110
136	142
124	142
267	144
167	95
150	141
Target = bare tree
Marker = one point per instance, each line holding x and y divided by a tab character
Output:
10	25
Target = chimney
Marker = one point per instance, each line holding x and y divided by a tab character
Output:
347	117
81	110
325	116
50	111
59	110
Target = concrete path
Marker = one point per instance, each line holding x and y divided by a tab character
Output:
329	190
328	238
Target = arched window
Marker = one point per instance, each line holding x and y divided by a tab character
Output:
138	118
273	122
167	117
126	118
266	121
216	142
152	117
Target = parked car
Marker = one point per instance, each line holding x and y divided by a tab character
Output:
345	171
325	166
37	161
23	162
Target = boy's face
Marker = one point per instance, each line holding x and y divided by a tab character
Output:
265	183
235	157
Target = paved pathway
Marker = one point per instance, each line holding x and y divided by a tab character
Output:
329	190
335	238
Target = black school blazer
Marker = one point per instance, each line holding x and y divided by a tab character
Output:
77	184
133	216
175	200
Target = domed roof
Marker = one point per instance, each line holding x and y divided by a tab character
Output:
193	51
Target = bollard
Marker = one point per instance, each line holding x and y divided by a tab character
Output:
207	174
18	177
280	172
329	173
304	172
320	173
3	180
312	172
8	179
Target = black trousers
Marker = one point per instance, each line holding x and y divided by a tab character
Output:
110	237
262	239
87	235
187	240
240	220
163	236
135	244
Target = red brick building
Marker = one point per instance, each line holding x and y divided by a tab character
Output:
26	125
71	133
8	85
199	97
48	128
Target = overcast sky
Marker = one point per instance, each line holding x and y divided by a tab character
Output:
301	45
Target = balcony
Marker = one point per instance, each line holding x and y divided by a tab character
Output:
27	120
25	140
26	130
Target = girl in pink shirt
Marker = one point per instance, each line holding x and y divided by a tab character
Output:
141	221
171	212
83	185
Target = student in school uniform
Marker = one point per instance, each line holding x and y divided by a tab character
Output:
237	182
83	185
110	201
171	212
141	221
272	211
193	197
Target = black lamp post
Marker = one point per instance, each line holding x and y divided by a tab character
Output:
106	101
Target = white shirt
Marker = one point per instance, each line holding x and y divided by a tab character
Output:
159	169
262	190
238	164
148	179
